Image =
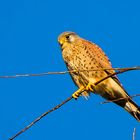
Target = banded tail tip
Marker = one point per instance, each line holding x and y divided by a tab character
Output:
133	109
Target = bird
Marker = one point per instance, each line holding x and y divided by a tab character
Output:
87	64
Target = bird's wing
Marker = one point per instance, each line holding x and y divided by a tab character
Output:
103	60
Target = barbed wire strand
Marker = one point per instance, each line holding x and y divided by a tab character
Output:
65	101
65	72
134	134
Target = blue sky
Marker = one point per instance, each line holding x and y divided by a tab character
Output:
28	44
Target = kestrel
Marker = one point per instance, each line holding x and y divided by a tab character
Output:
82	56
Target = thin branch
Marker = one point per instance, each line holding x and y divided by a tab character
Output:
109	101
65	72
40	117
134	134
64	102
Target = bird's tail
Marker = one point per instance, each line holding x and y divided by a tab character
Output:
125	101
133	109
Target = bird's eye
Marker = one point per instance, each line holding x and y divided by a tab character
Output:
67	37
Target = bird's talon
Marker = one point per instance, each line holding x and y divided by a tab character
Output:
90	87
75	95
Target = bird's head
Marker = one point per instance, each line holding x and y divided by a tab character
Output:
67	37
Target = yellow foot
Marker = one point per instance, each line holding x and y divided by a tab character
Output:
90	87
76	94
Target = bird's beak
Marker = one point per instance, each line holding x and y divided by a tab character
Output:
60	43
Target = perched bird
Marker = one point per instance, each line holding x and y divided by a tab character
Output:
82	58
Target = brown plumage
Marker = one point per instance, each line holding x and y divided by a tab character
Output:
80	54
